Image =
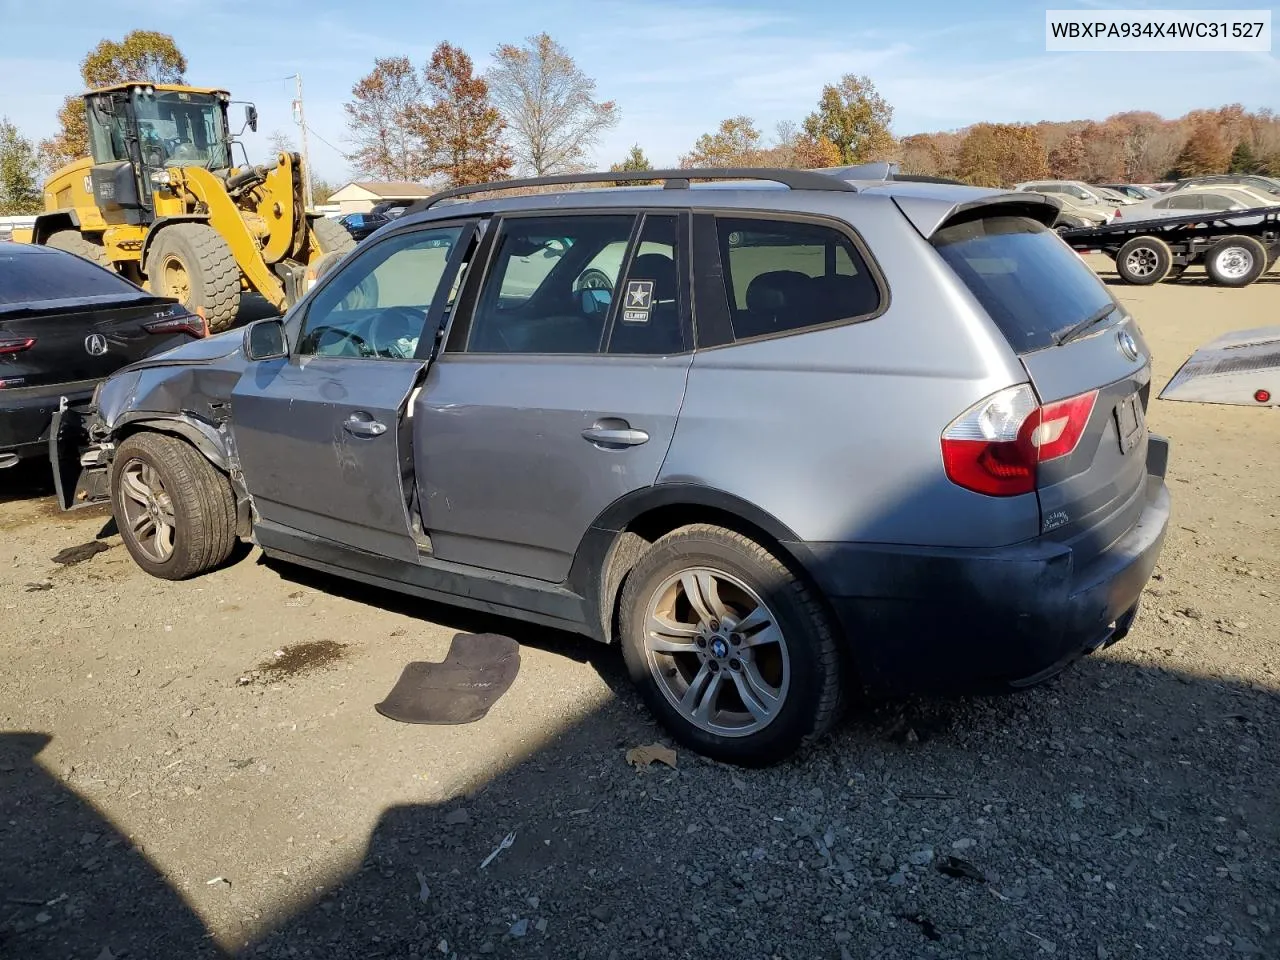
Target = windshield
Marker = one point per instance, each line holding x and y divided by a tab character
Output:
180	129
1030	283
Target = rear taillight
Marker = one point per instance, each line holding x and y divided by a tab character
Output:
1119	215
994	447
16	344
179	323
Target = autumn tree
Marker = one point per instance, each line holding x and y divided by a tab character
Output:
1000	155
384	121
19	168
735	144
553	119
1067	159
855	118
322	189
794	148
461	130
143	55
1204	152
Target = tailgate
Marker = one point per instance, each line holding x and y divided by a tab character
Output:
1076	344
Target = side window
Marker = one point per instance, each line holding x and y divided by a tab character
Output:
648	320
1162	204
782	276
550	284
1190	201
376	306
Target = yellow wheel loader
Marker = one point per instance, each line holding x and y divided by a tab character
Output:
163	202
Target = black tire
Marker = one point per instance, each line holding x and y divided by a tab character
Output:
810	696
212	277
200	497
1235	261
1065	223
73	241
1144	261
329	236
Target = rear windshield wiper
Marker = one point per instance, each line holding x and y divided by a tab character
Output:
1076	329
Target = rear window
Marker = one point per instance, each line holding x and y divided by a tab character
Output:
52	275
1031	284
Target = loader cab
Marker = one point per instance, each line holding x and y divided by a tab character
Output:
138	131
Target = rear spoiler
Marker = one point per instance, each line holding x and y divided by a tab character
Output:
931	214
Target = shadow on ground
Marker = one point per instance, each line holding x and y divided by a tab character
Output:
1122	807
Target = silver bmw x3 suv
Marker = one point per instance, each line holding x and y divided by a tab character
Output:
788	437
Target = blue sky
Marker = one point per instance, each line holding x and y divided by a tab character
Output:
675	67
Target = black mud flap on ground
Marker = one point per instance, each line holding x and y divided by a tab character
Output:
479	669
79	472
1240	368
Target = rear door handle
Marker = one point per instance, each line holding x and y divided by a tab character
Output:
615	433
362	425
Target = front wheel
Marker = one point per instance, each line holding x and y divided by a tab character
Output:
192	263
176	513
730	649
1144	261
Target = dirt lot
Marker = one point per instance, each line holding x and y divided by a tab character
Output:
171	787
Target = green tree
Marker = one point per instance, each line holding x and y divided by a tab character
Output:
853	116
635	161
553	118
461	129
1243	159
1001	154
735	144
19	189
142	55
322	189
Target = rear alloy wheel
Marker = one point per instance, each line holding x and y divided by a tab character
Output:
1235	261
193	264
176	513
729	648
1144	261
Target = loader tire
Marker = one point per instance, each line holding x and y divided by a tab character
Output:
73	241
192	263
331	236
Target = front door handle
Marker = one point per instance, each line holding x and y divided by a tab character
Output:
362	425
614	433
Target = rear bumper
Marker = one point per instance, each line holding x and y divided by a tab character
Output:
922	620
27	412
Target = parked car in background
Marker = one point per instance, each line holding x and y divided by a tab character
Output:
1134	191
1257	183
529	422
391	208
1186	202
1081	205
1114	196
66	323
360	225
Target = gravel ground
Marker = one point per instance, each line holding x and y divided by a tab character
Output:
170	786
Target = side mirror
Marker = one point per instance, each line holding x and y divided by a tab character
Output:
265	340
251	117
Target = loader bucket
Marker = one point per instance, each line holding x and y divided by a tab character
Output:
1240	368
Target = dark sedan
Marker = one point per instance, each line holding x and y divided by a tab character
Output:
360	225
66	323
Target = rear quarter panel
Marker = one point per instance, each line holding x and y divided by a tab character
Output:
837	432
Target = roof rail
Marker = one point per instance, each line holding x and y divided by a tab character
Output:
672	180
883	170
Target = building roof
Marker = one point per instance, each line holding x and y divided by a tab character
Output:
391	189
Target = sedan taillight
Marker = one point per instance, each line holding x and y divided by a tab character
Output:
995	446
188	323
16	344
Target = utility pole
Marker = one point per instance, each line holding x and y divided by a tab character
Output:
299	115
